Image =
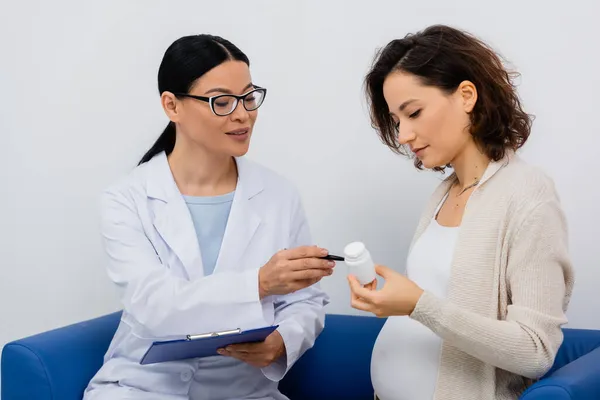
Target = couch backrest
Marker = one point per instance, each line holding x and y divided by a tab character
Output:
576	343
338	366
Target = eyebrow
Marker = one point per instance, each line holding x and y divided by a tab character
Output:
406	103
227	91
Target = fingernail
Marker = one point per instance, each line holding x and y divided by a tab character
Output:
331	264
330	272
221	351
324	252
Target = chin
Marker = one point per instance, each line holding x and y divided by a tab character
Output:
236	147
432	160
427	164
239	151
430	163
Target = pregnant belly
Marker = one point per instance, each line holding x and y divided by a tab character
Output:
405	360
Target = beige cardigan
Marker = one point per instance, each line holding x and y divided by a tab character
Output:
510	285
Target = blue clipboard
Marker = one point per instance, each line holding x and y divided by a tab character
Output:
204	345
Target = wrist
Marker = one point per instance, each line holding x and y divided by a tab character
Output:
262	291
281	350
281	353
417	296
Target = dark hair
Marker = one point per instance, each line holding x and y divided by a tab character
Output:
444	57
186	60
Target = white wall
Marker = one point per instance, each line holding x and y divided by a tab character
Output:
79	106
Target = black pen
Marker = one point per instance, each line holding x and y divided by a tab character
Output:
333	258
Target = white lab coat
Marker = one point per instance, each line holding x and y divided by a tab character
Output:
154	259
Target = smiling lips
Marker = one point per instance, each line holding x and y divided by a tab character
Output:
240	135
419	150
238	132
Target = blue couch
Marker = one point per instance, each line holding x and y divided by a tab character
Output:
58	364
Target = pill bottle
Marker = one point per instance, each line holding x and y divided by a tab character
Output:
359	262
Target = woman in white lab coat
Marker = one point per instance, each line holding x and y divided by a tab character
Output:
200	239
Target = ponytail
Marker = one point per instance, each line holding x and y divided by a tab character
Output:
165	142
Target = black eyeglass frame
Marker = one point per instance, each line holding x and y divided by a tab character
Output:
211	100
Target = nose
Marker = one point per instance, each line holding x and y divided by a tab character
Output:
405	134
240	113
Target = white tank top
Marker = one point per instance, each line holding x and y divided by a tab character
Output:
406	354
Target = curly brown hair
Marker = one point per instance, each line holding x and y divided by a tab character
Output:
443	57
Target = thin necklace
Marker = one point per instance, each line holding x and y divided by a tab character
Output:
469	187
457	205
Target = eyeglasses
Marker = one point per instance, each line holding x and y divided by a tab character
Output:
225	104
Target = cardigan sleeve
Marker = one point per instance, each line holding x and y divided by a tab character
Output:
540	280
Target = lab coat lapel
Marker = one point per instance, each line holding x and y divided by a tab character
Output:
172	218
243	219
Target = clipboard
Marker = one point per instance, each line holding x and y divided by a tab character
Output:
203	345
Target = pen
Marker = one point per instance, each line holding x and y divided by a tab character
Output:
333	258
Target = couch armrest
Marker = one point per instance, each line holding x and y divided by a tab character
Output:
339	364
57	364
580	379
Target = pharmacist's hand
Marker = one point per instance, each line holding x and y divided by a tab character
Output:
294	269
260	354
398	296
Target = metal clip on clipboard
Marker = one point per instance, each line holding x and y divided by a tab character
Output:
214	334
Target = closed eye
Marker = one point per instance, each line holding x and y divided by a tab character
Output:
415	114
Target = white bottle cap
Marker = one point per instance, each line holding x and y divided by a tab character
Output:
354	250
359	262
